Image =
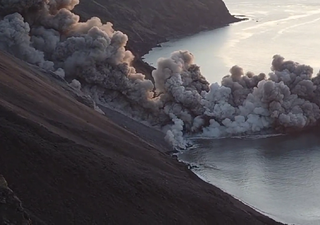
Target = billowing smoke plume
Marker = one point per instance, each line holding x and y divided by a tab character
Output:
92	57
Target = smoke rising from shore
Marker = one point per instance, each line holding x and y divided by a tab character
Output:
92	57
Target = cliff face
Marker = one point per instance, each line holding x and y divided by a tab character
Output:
149	22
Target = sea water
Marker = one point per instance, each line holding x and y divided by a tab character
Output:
277	175
289	28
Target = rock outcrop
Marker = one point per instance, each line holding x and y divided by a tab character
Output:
11	210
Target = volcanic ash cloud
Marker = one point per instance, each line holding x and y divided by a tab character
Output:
91	57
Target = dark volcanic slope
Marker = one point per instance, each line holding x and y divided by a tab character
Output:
71	165
149	22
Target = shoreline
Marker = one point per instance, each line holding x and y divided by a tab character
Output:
145	49
145	68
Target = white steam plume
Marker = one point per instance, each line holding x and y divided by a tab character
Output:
92	57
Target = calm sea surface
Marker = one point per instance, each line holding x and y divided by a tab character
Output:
280	175
289	28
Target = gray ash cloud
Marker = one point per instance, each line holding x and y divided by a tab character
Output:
92	56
